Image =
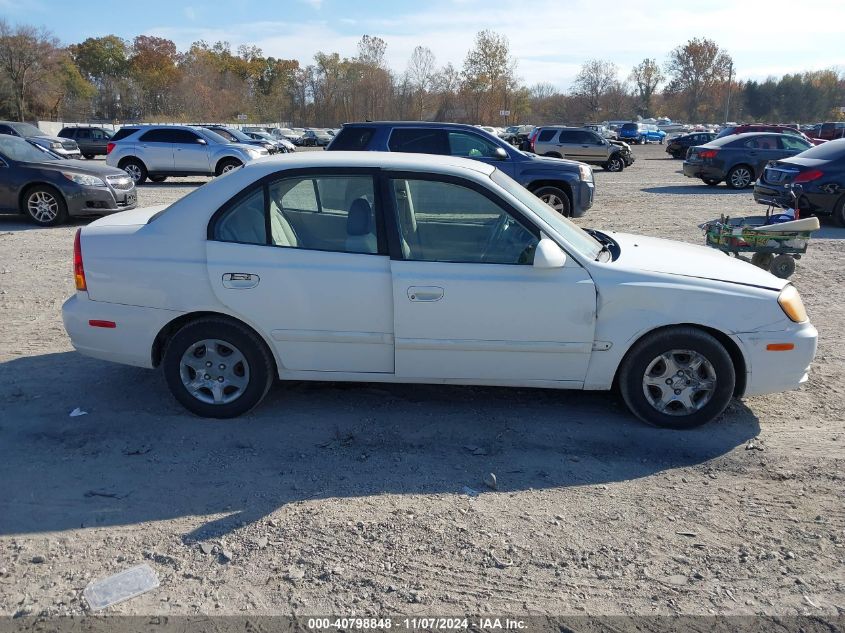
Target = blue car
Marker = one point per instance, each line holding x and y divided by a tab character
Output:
641	133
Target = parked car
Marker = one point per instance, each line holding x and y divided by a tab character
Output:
566	186
819	171
49	189
641	133
627	154
760	127
468	279
159	151
234	135
92	141
577	144
831	130
284	133
315	138
64	147
282	144
602	130
739	159
678	146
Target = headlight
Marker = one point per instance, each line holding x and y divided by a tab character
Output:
55	145
790	302
254	153
84	179
586	172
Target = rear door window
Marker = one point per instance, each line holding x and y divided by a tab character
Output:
546	136
419	141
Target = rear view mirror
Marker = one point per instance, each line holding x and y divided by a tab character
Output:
549	255
500	153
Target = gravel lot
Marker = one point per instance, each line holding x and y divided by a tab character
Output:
347	498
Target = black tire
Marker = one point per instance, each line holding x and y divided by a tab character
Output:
740	177
158	178
615	163
260	366
762	260
782	266
136	169
711	182
44	205
549	194
839	212
643	355
89	156
227	164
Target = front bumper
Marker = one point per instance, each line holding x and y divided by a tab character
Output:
772	372
582	198
129	343
100	200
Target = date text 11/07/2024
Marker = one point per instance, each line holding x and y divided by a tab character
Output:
414	624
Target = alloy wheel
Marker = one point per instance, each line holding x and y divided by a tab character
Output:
134	172
554	202
679	382
741	178
42	206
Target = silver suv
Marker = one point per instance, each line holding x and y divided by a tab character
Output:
159	151
579	144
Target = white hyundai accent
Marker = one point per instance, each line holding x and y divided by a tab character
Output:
378	267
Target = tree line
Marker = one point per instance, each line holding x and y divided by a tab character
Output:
149	79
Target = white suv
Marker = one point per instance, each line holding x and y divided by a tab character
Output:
156	152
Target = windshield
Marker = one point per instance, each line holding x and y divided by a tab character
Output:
832	150
25	129
575	236
236	133
262	135
214	136
17	149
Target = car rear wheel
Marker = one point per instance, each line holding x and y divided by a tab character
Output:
217	368
158	178
136	169
839	212
44	205
677	378
89	156
226	165
615	163
555	198
711	182
739	177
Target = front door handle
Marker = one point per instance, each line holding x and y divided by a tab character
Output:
240	281
425	293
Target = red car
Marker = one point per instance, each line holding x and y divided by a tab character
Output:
765	127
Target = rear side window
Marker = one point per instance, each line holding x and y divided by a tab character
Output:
546	136
123	133
164	135
244	221
67	132
568	136
353	138
418	141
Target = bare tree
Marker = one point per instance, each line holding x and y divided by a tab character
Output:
488	75
27	57
695	69
595	79
421	73
646	76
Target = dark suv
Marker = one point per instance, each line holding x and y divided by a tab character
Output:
92	141
567	186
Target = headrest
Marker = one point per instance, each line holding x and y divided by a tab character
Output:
359	218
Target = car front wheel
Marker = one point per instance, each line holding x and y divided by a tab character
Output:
226	165
615	163
217	368
677	378
45	206
555	198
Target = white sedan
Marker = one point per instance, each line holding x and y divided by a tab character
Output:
379	267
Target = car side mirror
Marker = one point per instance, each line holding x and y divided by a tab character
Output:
549	255
500	154
202	141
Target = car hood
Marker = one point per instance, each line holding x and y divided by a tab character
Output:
52	139
553	163
81	166
651	254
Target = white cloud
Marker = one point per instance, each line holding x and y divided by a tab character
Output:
315	4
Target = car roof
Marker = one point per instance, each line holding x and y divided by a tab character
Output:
423	124
730	138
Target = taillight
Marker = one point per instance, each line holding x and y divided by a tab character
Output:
708	153
78	269
109	147
807	176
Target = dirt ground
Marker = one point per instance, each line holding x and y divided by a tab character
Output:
347	498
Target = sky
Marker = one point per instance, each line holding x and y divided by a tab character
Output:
550	39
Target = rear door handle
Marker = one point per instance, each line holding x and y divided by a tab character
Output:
425	293
240	281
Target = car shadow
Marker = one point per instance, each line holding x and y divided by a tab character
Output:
137	456
171	184
696	189
14	223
